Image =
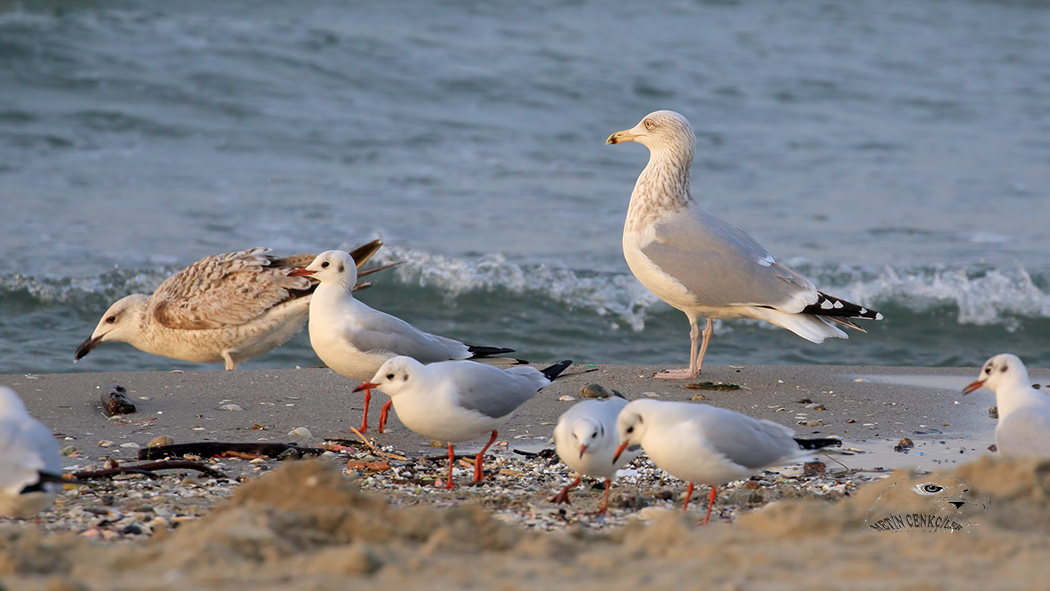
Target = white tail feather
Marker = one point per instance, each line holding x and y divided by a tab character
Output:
812	328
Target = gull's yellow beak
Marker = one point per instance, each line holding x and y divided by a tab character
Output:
621	136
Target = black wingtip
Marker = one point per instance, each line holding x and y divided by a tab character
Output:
482	352
819	442
555	370
832	306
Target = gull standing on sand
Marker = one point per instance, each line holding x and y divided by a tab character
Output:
223	308
354	339
586	440
704	444
1024	412
30	467
457	401
705	266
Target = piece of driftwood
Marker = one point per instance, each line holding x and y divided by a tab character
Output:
207	449
147	469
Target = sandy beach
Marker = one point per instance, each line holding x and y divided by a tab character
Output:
381	523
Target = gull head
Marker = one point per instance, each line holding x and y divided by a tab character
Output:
10	404
585	432
1002	371
631	425
331	266
660	131
120	323
396	374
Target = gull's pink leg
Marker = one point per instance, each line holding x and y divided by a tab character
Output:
694	358
364	418
605	503
383	412
688	495
710	503
451	460
563	496
479	472
710	330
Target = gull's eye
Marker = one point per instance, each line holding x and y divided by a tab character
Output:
649	124
389	376
325	264
630	429
111	319
595	434
988	369
933	488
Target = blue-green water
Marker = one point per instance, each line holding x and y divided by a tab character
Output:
898	153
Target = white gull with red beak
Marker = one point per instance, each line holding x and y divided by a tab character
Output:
355	340
30	467
586	440
1024	412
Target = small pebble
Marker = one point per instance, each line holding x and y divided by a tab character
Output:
115	401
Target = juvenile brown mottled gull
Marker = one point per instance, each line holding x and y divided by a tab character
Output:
223	308
705	266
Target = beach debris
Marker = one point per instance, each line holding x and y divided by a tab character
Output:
993	448
904	445
130	445
851	421
698	397
115	401
147	469
566	398
158	441
289	454
363	466
68	450
804	401
718	386
813	468
993	412
301	432
809	423
597	391
105	443
207	449
232	407
240	455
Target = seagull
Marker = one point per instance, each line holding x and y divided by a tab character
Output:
30	467
586	440
354	339
457	401
704	444
223	308
1024	412
705	266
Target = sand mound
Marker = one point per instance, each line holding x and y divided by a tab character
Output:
306	526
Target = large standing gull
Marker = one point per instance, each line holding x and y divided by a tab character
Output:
223	308
705	266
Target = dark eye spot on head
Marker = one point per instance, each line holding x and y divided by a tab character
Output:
111	319
324	265
630	429
389	376
1003	368
404	377
933	488
341	267
988	369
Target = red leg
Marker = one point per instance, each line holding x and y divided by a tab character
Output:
364	419
605	503
688	495
451	460
710	503
563	496
479	472
383	412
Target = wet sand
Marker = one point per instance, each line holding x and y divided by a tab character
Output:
305	525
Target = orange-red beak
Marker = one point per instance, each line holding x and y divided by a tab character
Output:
583	449
301	273
366	386
973	386
620	449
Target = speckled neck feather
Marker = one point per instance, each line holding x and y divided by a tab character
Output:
663	186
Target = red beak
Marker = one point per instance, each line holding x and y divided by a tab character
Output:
301	272
583	449
366	386
973	386
620	449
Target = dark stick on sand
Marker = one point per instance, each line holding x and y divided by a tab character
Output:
207	449
148	468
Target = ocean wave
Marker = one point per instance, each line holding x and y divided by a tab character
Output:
976	296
